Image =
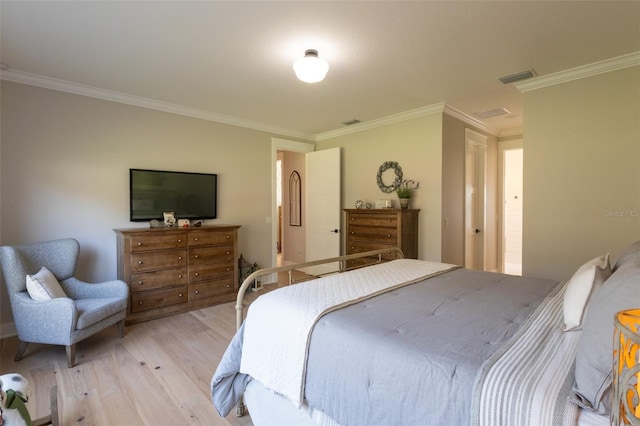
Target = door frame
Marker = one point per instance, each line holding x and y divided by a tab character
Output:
502	147
279	144
479	140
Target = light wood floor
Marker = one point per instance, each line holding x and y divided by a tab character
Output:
158	374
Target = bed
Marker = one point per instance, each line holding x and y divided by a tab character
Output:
416	342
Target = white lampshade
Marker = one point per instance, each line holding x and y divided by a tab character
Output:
311	69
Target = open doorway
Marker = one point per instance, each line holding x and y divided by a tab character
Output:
510	205
281	162
279	207
315	232
512	211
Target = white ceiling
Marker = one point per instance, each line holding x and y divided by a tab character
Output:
233	59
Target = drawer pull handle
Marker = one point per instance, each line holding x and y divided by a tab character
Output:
179	294
139	262
228	269
228	236
388	220
197	291
139	244
140	302
353	218
180	276
179	257
228	252
140	283
388	235
179	240
196	256
196	239
228	285
196	274
353	232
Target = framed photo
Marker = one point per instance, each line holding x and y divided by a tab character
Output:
169	218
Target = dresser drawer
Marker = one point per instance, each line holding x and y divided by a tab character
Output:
380	219
211	272
158	242
359	247
374	234
216	254
149	261
158	298
158	279
210	289
203	238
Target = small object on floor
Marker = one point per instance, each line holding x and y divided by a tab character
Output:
14	394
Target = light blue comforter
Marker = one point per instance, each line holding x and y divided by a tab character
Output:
410	355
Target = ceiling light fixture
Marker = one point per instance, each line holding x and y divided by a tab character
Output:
311	69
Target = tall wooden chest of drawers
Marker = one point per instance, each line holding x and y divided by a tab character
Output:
374	229
174	270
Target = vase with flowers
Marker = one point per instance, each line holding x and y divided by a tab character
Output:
405	191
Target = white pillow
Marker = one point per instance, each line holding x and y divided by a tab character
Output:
44	285
586	279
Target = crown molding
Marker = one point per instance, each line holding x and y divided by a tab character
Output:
384	121
515	131
608	65
113	96
441	107
123	98
472	121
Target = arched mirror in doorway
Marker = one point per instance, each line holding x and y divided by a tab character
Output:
295	193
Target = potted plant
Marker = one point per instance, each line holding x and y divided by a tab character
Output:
405	191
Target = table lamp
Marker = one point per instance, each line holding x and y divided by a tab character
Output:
625	407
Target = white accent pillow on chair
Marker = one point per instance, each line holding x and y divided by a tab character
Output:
44	286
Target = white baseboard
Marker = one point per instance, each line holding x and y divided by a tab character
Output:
7	329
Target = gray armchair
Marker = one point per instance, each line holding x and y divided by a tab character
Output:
87	309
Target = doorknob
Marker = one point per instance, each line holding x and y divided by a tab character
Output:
477	231
336	231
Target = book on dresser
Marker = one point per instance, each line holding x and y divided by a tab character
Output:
175	270
373	229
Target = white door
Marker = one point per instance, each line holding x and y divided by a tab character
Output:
474	214
512	223
323	207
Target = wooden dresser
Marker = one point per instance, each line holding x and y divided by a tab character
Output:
374	229
173	270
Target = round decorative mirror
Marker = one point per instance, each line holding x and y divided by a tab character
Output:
389	176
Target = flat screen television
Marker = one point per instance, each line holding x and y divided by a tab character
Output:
188	195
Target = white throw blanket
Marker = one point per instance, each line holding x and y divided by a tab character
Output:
279	324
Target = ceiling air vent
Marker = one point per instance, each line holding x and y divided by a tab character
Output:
517	76
351	122
493	112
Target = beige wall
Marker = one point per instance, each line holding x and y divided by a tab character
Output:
417	147
453	188
581	171
65	161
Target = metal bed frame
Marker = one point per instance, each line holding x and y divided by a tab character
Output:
342	267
